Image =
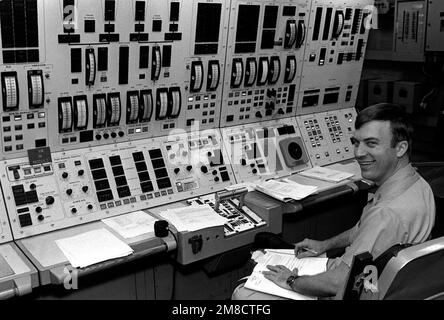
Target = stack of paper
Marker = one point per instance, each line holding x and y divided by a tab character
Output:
193	218
326	174
132	225
284	191
93	247
305	266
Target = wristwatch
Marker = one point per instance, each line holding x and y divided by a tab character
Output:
291	279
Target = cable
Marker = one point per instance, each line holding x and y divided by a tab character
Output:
174	266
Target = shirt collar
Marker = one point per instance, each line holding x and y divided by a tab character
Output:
396	184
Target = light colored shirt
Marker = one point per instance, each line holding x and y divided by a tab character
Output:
402	211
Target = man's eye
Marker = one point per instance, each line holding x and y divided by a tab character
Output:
372	144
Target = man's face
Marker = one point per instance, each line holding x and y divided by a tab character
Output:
374	152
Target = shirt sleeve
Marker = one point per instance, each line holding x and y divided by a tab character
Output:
377	232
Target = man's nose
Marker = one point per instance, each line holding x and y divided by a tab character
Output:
360	151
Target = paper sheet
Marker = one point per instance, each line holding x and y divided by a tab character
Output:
326	174
305	266
93	247
285	191
193	218
132	225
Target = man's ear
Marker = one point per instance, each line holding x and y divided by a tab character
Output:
401	148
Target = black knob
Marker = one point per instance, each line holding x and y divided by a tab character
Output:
113	135
280	111
209	154
32	186
216	179
74	210
41	217
243	162
189	168
85	189
105	136
258	114
269	112
69	192
49	200
252	165
204	169
98	137
90	207
176	170
38	209
81	172
254	171
65	175
214	172
121	134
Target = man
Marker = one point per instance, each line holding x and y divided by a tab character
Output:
402	210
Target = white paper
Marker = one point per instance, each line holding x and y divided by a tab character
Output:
193	218
132	225
286	191
249	185
326	174
305	266
93	247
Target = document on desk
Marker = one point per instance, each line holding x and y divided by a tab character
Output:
326	174
93	247
285	191
305	266
132	225
193	218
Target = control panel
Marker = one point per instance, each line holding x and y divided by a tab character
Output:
273	148
239	219
334	54
327	135
206	64
79	186
5	230
265	51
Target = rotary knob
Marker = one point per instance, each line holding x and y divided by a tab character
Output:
204	169
65	175
258	114
69	192
254	171
90	207
189	168
74	210
81	172
105	136
121	134
38	209
32	186
243	162
113	135
216	179
40	217
85	189
49	200
176	170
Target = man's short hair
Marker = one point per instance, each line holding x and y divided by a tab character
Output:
402	129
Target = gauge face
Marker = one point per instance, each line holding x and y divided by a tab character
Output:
295	150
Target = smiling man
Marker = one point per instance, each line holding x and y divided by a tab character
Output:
401	211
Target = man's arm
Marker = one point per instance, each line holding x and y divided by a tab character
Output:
342	240
326	284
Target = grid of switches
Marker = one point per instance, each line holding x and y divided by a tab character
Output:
314	132
163	180
21	197
142	171
119	177
101	182
206	103
334	128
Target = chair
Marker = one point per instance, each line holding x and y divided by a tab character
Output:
415	273
405	272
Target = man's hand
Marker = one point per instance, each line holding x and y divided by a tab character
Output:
279	275
309	248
